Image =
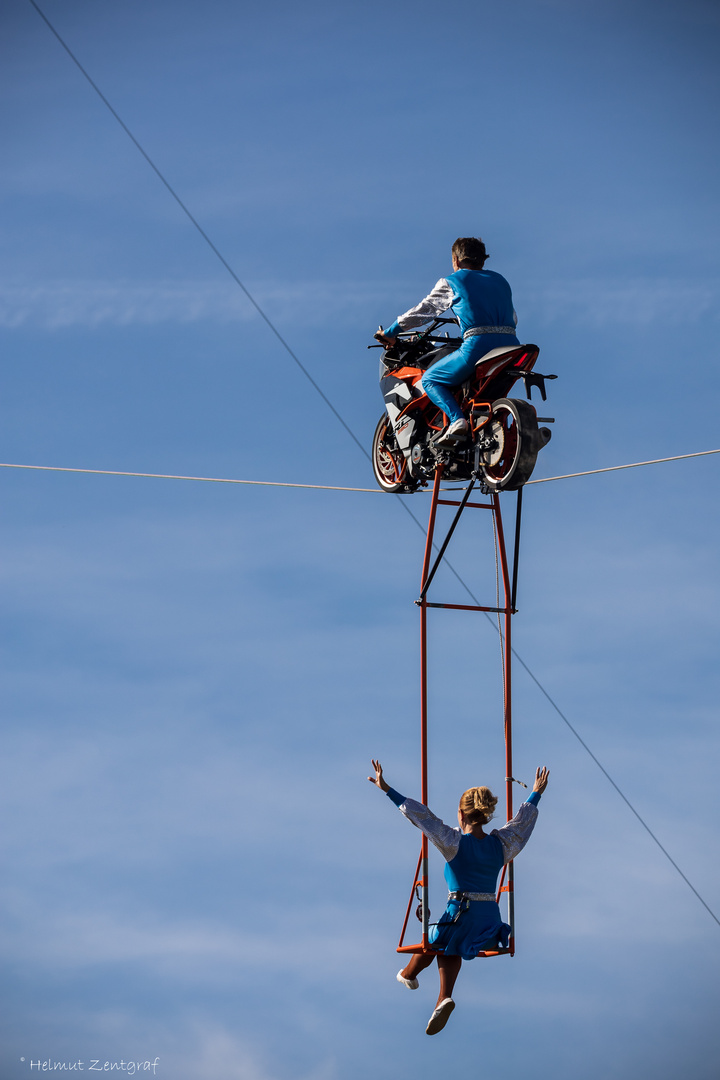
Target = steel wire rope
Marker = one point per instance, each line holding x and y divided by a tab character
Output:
330	487
349	430
608	777
587	749
266	318
201	479
617	468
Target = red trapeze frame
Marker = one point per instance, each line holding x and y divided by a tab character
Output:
420	880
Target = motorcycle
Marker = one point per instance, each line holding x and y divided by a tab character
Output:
503	439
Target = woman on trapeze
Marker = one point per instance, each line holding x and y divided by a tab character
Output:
471	921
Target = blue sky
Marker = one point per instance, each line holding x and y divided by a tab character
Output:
195	676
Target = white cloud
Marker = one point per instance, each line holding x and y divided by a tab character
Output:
632	301
60	304
324	941
205	1048
218	1053
85	303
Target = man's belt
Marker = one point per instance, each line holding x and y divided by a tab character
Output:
475	331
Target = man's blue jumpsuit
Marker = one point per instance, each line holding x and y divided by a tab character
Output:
481	300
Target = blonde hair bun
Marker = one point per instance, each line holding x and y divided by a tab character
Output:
477	805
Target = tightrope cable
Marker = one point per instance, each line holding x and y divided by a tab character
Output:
327	487
616	468
202	479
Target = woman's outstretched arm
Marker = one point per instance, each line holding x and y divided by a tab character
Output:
445	839
515	835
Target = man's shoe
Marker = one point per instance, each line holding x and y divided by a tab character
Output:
456	432
412	984
440	1017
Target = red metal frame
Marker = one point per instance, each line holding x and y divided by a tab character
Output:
420	879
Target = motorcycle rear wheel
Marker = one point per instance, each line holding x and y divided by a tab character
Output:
388	460
515	430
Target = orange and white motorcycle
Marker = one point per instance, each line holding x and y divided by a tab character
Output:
503	439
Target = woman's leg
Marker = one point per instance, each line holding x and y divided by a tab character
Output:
417	963
449	968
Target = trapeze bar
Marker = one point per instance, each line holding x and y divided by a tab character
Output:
467	607
418	949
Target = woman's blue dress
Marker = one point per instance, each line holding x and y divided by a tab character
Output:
467	927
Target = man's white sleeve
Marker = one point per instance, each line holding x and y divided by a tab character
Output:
445	839
434	304
515	835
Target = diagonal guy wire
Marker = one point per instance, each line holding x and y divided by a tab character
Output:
607	775
349	430
198	226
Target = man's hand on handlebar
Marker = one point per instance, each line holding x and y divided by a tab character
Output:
384	339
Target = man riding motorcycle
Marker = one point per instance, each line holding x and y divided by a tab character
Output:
481	300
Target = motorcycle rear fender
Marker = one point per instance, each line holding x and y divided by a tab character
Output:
508	362
514	353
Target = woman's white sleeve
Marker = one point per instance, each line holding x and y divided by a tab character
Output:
515	835
445	839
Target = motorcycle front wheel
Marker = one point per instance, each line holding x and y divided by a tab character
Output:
514	429
389	464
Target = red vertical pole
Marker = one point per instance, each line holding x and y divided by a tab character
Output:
507	665
507	706
423	769
424	704
508	761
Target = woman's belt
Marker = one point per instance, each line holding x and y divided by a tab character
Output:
471	896
474	331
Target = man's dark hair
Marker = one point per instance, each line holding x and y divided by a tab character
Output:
470	250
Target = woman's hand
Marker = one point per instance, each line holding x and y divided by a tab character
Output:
377	779
541	780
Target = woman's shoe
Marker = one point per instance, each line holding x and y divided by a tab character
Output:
412	984
440	1017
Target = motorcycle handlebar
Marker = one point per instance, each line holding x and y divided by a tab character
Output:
434	340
